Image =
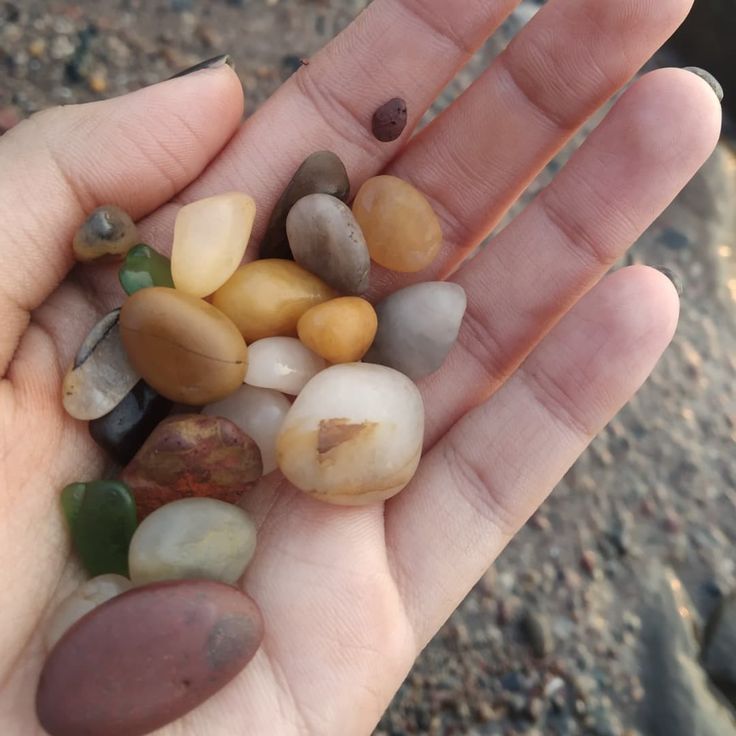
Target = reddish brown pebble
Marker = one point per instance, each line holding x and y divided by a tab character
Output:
192	455
389	120
147	657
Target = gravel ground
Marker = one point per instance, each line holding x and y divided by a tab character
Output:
558	638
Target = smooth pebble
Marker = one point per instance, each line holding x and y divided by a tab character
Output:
108	232
144	267
389	120
282	364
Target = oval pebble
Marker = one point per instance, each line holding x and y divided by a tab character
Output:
182	346
354	434
210	238
193	455
142	268
389	120
87	596
340	330
193	538
283	364
108	232
259	412
101	375
147	657
400	227
266	298
321	172
417	327
326	240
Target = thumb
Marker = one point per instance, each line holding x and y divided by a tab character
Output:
136	151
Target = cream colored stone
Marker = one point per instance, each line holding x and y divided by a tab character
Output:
210	238
282	363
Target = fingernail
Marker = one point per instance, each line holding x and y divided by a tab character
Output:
214	63
674	278
715	85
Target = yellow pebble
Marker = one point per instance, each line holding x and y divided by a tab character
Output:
340	330
400	227
266	298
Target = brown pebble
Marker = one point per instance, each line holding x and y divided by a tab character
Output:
147	657
389	120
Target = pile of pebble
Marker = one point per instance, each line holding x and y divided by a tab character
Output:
233	344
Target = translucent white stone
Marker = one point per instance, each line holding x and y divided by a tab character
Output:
354	434
86	597
259	412
192	538
282	363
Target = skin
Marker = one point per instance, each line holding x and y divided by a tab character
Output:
549	350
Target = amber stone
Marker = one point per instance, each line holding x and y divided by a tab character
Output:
340	330
400	228
193	455
146	657
322	172
182	346
267	298
389	120
108	232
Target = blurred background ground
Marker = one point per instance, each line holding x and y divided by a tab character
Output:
612	613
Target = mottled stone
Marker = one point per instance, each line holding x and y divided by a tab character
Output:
101	375
193	538
354	434
340	330
108	232
147	657
182	346
282	364
102	518
259	412
389	120
322	172
87	596
267	298
400	228
327	241
122	431
144	267
210	238
417	327
193	455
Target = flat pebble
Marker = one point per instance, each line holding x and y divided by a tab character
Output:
122	432
340	330
144	267
326	240
266	298
417	327
182	346
87	596
354	434
282	364
210	238
147	657
259	412
102	518
322	172
101	375
400	227
389	120
108	232
193	538
193	455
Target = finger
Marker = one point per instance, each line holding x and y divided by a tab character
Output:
136	151
395	48
652	142
569	59
487	476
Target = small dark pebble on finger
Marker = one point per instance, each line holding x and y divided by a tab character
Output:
389	120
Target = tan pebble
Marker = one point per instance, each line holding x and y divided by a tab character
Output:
400	227
340	330
266	298
108	232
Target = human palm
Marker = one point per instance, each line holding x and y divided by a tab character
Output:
350	595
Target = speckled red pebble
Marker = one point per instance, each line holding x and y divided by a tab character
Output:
147	657
192	455
389	120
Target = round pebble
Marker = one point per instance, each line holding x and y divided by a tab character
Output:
389	120
108	232
282	364
340	330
